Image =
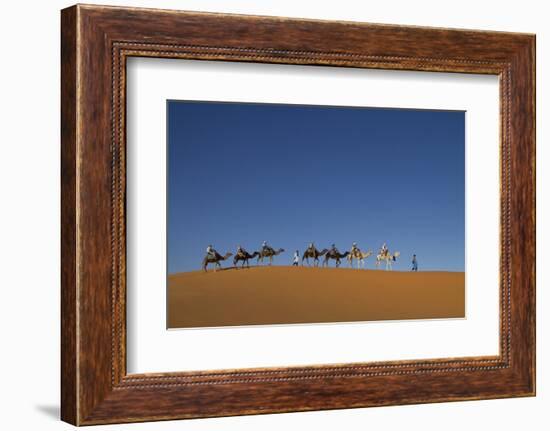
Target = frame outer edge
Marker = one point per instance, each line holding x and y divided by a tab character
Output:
533	54
69	201
524	215
532	81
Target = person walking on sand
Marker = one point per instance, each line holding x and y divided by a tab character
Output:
414	263
296	258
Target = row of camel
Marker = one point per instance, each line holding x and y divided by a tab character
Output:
267	252
358	255
310	253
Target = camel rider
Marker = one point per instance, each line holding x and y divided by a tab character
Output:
334	250
210	251
354	249
384	250
266	247
311	247
241	251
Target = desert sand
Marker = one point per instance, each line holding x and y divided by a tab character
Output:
285	294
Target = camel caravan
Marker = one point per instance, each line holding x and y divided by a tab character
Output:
267	253
355	253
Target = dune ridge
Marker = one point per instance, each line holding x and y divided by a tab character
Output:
286	295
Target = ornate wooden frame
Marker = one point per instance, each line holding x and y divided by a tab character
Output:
95	43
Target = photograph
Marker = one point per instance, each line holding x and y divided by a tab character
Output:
283	214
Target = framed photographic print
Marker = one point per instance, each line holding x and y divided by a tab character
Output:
265	214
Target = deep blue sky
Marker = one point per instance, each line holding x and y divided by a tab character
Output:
291	174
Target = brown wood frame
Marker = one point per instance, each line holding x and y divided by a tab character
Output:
95	43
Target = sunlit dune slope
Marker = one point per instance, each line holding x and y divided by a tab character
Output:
283	295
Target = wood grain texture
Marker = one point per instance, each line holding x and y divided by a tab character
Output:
69	366
96	41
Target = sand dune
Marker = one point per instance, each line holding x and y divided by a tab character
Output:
283	294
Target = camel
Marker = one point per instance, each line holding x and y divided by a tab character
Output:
360	256
389	258
336	256
244	257
269	252
216	260
315	254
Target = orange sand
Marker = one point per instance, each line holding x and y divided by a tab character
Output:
284	294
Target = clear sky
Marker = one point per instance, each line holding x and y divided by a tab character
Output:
293	174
